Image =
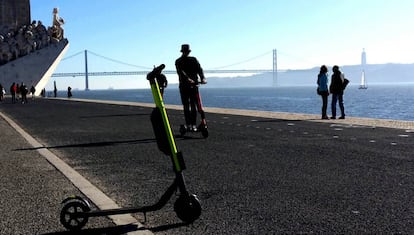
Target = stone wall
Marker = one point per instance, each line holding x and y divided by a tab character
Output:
14	13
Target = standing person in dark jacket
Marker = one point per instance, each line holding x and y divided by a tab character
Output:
23	92
32	91
1	92
337	90
189	71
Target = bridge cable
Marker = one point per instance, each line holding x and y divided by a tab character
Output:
297	58
68	57
119	62
243	61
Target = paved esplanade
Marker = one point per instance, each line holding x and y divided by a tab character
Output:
253	175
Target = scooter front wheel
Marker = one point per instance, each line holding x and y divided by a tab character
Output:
71	215
187	208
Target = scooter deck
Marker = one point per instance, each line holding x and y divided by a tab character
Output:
201	128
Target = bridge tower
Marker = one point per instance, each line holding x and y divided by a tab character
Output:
274	67
86	71
363	58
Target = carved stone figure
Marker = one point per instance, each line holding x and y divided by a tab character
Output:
22	43
41	34
58	22
5	54
12	45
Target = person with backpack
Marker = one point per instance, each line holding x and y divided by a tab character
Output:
336	88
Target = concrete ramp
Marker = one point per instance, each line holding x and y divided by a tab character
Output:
35	68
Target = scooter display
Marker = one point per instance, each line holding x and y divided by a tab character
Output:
76	210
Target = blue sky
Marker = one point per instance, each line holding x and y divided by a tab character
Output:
306	33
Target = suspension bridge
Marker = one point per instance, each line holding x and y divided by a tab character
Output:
145	70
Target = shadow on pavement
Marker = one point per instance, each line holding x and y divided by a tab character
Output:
118	230
93	144
281	120
166	227
115	115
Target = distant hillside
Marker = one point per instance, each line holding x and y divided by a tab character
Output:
374	74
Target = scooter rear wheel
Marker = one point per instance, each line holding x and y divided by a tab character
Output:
187	208
69	215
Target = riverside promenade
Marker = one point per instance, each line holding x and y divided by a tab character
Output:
257	172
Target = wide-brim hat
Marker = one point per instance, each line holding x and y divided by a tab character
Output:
185	48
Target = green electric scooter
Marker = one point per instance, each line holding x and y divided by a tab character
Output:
76	210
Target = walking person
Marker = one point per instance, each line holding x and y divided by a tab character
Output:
69	91
323	89
32	91
13	89
17	92
189	71
1	92
54	89
336	88
23	92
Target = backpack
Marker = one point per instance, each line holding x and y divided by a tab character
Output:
345	83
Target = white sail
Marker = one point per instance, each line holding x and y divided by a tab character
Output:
363	84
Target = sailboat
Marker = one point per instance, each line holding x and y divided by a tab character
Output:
363	84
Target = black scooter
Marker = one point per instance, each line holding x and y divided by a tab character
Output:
76	211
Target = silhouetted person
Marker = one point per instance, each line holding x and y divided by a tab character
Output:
32	91
17	92
23	92
189	70
323	89
1	92
69	91
54	89
13	89
337	90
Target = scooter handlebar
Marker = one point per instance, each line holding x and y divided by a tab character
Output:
156	71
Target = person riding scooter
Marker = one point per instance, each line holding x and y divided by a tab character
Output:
189	71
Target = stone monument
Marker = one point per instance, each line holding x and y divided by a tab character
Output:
14	13
33	64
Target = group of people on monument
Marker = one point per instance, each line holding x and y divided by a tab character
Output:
336	88
22	40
